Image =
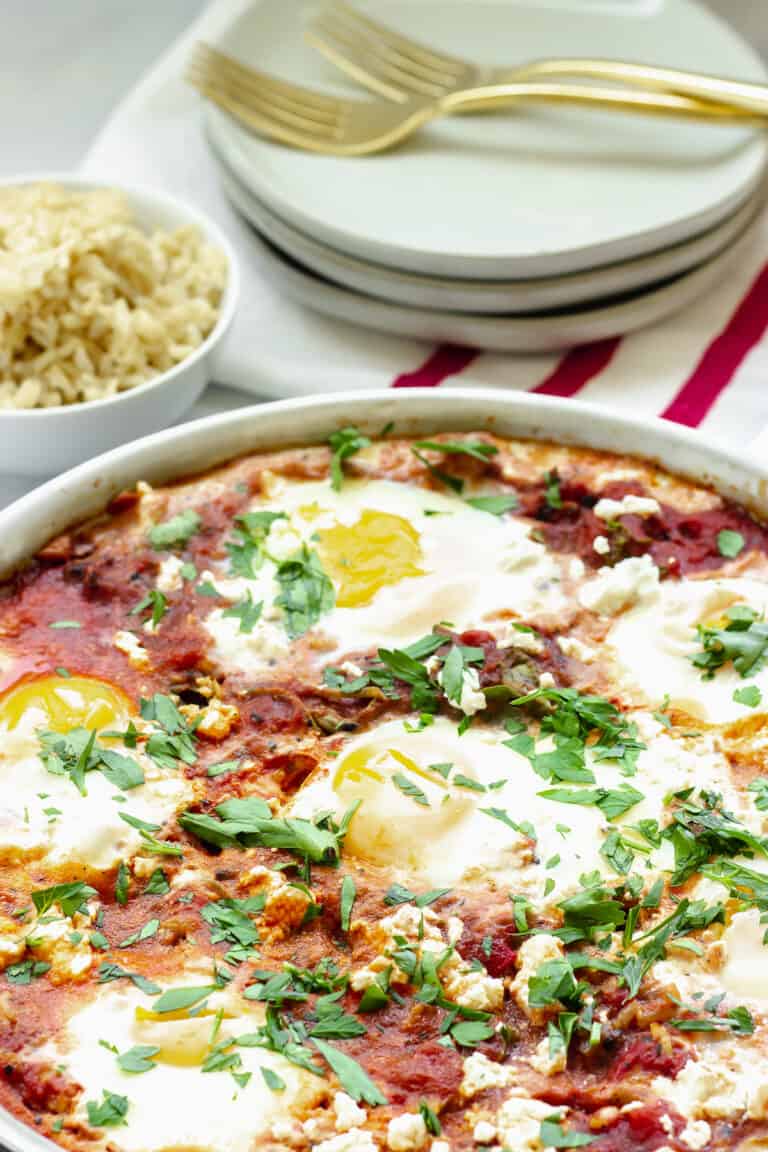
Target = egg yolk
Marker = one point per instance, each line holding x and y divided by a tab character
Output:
75	702
361	558
391	826
183	1040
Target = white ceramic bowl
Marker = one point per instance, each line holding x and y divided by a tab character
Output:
44	441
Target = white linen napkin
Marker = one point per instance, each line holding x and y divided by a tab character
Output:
705	366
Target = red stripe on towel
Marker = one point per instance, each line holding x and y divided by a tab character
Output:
447	360
578	367
722	358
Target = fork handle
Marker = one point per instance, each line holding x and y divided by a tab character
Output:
739	94
504	95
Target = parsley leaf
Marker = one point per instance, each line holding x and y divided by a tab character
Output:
176	532
553	1135
612	802
496	505
729	543
750	696
138	1059
348	894
246	612
552	490
249	821
743	642
353	1079
69	897
246	551
109	1112
470	1033
306	591
477	449
155	600
409	788
344	443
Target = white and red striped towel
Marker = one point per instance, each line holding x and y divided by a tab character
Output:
707	366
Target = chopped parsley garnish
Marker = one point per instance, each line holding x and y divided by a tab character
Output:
553	1135
122	883
430	1118
247	822
223	768
64	624
69	897
274	1082
230	921
247	612
306	592
77	752
612	802
572	721
750	696
246	550
353	1079
477	449
410	788
496	505
108	972
470	1033
154	600
743	642
157	884
700	832
109	1112
181	999
348	894
344	443
397	894
26	971
176	532
552	494
176	740
737	1020
138	1059
729	543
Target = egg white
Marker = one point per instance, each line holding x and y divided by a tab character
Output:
45	815
650	646
176	1105
452	841
477	568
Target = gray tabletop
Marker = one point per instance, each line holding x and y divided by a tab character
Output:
65	63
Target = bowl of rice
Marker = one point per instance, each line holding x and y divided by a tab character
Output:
113	301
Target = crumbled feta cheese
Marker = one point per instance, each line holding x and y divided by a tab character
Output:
12	941
483	1132
607	509
546	680
63	944
215	720
544	1062
472	700
169	574
480	1074
629	582
474	989
576	568
571	646
128	643
439	1146
406	1132
521	552
725	1082
282	540
696	1134
351	670
533	953
289	1132
601	545
348	1114
510	636
518	1122
356	1140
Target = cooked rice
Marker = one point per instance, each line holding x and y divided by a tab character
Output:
90	304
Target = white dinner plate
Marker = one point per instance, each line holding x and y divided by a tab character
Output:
535	193
486	296
537	333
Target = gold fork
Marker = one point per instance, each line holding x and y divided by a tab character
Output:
316	122
397	67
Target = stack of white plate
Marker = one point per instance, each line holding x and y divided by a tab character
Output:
525	231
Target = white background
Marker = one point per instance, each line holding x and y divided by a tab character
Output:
65	63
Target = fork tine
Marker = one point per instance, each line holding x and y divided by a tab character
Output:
263	103
264	125
303	100
450	68
369	63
